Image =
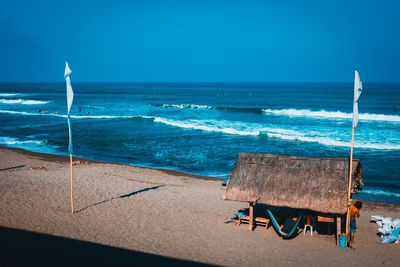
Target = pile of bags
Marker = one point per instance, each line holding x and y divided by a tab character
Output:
389	229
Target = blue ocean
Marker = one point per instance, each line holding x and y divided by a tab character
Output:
201	128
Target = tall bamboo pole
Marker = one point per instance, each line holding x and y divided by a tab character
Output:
70	99
349	186
72	187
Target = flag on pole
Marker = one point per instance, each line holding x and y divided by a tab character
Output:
357	93
70	99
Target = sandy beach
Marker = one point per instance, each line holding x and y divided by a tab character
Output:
128	215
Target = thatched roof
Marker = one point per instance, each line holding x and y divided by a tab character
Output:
318	184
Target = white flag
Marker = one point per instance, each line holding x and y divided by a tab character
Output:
70	93
357	93
70	99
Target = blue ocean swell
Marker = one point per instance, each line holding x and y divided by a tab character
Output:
201	129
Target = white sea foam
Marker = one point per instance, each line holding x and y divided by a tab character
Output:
380	193
197	125
23	102
306	113
101	116
30	113
247	129
322	114
219	175
181	106
16	112
73	116
331	142
14	141
219	108
233	128
8	94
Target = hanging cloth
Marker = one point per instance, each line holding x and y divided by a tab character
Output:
279	231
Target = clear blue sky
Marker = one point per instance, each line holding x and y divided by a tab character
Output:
200	41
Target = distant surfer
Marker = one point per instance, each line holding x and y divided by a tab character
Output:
40	111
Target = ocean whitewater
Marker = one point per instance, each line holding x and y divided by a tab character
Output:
201	128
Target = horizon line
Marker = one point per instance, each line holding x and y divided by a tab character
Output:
195	82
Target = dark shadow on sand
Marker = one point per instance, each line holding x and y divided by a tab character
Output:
12	168
24	248
141	191
122	196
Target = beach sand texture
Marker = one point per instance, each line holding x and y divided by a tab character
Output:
126	215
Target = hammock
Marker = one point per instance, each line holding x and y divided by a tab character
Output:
278	230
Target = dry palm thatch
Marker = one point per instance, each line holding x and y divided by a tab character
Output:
318	184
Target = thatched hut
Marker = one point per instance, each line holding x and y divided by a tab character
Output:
315	184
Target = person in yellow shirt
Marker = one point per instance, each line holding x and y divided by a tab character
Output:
354	212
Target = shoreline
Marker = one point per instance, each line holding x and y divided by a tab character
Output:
61	158
65	159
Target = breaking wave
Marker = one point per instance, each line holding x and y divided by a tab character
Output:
380	193
72	116
14	141
331	142
192	106
322	114
197	125
182	106
232	128
8	94
32	145
102	116
17	112
305	113
244	129
23	102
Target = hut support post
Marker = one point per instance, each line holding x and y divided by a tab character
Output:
251	216
338	229
349	187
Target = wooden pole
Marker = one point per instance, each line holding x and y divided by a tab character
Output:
349	186
251	216
72	188
338	229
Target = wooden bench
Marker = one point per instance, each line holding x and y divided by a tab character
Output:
260	221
